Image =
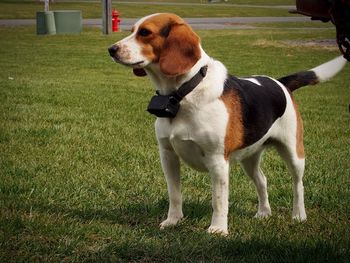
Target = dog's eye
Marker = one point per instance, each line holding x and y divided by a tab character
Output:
144	32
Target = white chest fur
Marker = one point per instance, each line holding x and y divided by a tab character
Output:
196	135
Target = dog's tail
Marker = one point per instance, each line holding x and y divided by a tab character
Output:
313	76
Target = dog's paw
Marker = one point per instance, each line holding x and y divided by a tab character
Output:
299	214
170	221
218	230
263	213
300	217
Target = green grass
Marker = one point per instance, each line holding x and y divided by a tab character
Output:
80	179
255	2
27	10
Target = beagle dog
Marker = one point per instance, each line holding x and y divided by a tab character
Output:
218	118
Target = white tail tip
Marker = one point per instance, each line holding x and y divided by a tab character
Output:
329	69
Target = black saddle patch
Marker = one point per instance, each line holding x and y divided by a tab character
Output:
260	105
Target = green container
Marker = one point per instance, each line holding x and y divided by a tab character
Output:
68	21
50	23
40	23
45	23
59	22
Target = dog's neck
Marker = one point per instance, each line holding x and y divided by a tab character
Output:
168	84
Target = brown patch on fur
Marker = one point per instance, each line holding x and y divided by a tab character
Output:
177	50
300	133
234	131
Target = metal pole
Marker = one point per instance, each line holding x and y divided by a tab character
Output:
106	16
46	5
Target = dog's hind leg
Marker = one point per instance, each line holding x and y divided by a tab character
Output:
171	168
296	166
251	166
291	149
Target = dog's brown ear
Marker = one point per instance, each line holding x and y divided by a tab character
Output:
180	51
140	72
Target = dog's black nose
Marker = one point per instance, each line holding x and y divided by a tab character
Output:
112	50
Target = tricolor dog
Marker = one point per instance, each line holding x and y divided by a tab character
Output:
208	118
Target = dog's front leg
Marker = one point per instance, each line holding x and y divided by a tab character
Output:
220	187
171	168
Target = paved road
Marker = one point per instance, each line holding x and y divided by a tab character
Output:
226	22
196	23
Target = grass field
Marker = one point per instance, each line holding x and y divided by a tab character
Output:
80	179
27	10
254	2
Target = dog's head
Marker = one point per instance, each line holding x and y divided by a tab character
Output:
163	40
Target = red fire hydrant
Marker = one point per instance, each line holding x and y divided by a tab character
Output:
115	21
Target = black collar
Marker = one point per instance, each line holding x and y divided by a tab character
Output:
190	85
167	106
